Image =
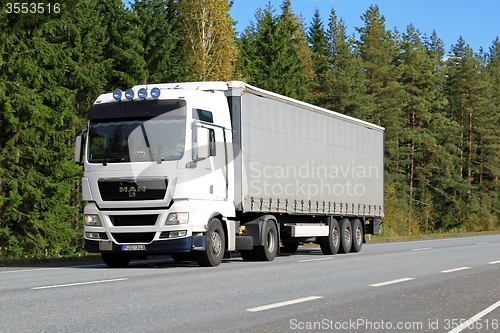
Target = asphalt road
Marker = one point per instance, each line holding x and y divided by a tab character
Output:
417	286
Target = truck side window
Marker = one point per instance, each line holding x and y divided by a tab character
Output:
212	142
203	115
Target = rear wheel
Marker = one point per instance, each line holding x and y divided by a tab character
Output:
357	235
345	236
216	245
116	259
268	251
331	243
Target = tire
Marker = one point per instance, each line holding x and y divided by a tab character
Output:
345	236
216	246
183	256
357	235
268	251
290	247
331	243
115	259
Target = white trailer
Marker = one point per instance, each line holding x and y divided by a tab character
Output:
201	169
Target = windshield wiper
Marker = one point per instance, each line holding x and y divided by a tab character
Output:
115	160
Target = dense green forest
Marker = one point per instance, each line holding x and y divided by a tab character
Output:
440	107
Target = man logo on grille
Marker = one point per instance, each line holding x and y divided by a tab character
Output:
132	191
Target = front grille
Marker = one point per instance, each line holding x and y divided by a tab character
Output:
130	189
133	220
135	237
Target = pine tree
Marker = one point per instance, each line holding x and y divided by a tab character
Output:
316	37
123	49
429	163
160	40
341	85
493	68
247	53
275	53
379	50
295	58
469	94
38	117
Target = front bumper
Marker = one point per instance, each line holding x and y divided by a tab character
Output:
185	244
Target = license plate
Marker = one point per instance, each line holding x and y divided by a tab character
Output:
134	247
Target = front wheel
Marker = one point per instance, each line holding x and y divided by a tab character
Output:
268	251
216	245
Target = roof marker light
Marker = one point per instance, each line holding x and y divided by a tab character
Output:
117	94
129	94
142	93
155	92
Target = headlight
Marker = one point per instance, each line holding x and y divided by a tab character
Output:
142	93
93	220
129	94
155	92
177	218
117	94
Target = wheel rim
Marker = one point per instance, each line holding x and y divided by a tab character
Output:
335	237
216	243
270	241
347	235
359	235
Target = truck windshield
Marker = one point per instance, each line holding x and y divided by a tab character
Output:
139	138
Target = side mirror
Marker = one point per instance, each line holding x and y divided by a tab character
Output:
201	148
79	145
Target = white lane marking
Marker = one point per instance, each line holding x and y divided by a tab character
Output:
277	305
31	270
49	268
456	269
494	262
79	284
482	243
422	249
472	320
391	282
306	260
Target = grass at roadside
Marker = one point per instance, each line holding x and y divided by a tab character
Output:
35	260
392	238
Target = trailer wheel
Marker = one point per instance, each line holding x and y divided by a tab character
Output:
357	235
115	259
345	236
268	251
214	251
331	243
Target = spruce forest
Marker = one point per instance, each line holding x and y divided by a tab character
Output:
440	106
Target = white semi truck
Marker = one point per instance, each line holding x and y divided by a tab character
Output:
198	170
